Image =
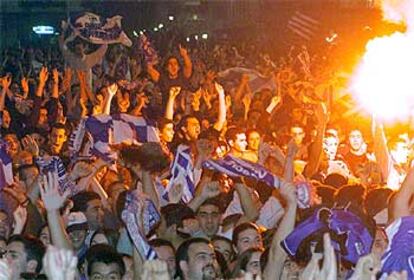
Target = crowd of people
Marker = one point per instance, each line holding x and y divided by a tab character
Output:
90	197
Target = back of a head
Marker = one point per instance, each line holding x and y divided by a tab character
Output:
175	213
102	253
335	180
81	200
352	195
376	200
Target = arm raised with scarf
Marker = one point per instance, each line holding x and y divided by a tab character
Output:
277	255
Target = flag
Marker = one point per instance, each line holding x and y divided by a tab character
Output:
97	30
257	81
148	51
182	173
107	130
303	26
6	167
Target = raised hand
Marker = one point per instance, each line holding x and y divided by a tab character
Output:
55	74
329	270
183	51
176	193
30	145
228	102
49	191
20	218
204	148
292	148
67	78
276	99
43	75
113	89
367	267
17	191
175	91
6	82
60	264
219	88
155	270
25	85
210	190
247	100
80	170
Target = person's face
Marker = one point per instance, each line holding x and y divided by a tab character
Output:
6	119
78	238
330	147
57	139
166	254
30	175
297	114
94	214
254	141
167	133
247	239
356	140
253	266
225	248
42	116
16	258
240	143
4	226
173	67
101	271
297	134
202	263
99	239
400	153
13	145
45	236
209	218
380	243
193	129
123	104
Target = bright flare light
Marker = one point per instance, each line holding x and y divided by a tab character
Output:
383	83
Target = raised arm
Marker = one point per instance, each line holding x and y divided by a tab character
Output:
250	211
154	74
289	169
400	203
277	255
221	120
316	147
111	92
169	110
188	65
43	76
5	82
53	201
380	148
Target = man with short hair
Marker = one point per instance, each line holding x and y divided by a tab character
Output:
89	203
196	260
24	255
356	155
104	263
236	138
165	252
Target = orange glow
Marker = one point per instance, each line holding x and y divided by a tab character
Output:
383	83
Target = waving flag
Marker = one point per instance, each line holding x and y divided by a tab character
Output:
97	30
148	50
6	168
182	173
257	81
106	130
303	26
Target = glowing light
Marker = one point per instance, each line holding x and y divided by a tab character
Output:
43	30
196	37
155	29
170	18
135	33
160	26
187	39
204	36
383	83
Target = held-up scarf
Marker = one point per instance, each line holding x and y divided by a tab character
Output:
140	216
236	167
350	237
6	168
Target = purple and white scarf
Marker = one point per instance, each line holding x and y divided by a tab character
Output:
140	216
6	167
